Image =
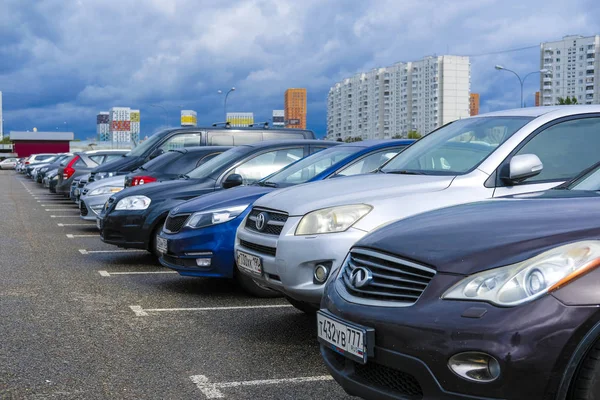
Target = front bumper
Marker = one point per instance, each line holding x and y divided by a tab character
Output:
124	229
91	206
291	270
533	344
214	242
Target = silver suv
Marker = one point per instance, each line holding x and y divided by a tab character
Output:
293	239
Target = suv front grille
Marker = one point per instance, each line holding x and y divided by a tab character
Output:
173	224
274	221
271	251
387	279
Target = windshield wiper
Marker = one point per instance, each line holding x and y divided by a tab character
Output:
268	184
404	172
184	176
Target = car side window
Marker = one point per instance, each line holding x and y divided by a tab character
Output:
97	159
182	140
80	163
206	158
369	163
565	149
112	157
267	163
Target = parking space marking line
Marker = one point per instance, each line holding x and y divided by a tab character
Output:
107	274
64	216
211	390
73	236
62	209
139	311
84	251
62	225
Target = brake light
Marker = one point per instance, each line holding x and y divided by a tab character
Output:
69	170
140	180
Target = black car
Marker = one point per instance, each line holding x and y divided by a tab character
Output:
172	164
82	163
134	217
174	138
490	300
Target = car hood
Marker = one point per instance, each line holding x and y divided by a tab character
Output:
167	189
224	198
301	199
474	237
116	181
123	164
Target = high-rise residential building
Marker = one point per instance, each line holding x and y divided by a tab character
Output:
408	96
135	126
278	118
103	126
474	104
240	119
573	65
1	119
294	107
537	99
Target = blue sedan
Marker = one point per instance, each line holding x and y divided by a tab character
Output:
198	236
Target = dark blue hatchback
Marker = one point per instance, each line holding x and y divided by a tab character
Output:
198	235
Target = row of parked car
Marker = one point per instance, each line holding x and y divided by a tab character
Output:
461	265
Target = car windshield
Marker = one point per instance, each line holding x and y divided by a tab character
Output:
588	181
456	148
145	145
161	161
307	168
209	167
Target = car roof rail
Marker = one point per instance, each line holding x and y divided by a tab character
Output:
265	125
225	124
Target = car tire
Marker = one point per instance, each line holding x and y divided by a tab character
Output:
587	381
306	308
251	287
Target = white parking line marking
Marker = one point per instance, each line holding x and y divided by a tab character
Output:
107	274
62	209
64	216
62	225
142	312
73	236
84	251
211	390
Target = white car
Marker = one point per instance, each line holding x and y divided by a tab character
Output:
471	159
8	163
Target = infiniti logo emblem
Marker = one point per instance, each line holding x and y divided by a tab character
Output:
361	277
261	221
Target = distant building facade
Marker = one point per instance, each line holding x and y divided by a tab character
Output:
537	99
240	119
119	124
294	106
103	126
573	65
474	104
278	118
1	119
408	96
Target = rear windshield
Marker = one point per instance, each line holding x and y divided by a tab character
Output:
161	161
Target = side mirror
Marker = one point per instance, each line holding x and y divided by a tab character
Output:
156	153
233	180
522	167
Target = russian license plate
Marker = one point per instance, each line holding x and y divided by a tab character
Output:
249	262
353	341
161	245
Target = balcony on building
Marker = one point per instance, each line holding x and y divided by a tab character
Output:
548	79
591	51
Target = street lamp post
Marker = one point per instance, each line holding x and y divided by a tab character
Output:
521	81
164	110
225	103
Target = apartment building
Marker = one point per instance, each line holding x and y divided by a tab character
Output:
294	108
407	96
474	104
573	70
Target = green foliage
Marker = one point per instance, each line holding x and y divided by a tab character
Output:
5	140
353	139
414	135
563	101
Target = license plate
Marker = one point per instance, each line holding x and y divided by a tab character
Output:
249	262
99	224
353	341
161	245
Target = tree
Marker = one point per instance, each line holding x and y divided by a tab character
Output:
353	139
414	135
398	136
563	101
5	140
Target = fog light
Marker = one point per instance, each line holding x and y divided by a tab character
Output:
475	366
321	273
203	262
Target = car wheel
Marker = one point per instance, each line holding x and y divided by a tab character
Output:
252	288
587	381
302	306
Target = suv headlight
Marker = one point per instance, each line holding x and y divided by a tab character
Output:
213	217
334	219
530	279
105	190
133	203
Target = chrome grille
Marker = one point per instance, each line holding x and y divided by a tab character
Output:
391	279
173	224
275	221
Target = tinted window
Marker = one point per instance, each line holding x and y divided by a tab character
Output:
66	161
456	148
369	163
156	164
97	159
146	145
212	166
80	163
112	157
182	140
219	139
590	181
207	158
565	149
183	165
267	163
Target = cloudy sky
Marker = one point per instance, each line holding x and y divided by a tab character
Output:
62	61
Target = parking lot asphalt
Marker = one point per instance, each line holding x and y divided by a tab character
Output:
84	320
